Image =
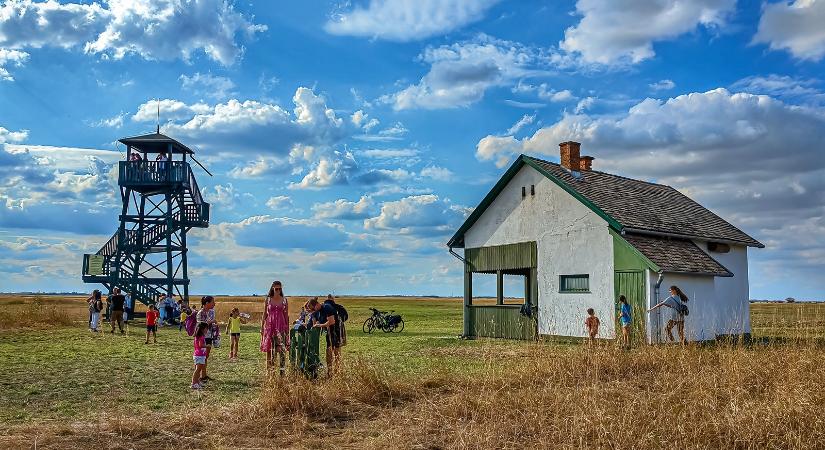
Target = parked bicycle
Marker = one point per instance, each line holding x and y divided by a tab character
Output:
384	321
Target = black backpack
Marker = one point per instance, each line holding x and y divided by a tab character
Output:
682	307
341	312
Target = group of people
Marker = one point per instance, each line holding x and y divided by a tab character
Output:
275	331
675	304
118	305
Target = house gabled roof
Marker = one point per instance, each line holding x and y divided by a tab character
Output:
676	255
156	143
626	204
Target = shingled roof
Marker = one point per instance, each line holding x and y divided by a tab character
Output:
156	143
628	205
648	206
676	255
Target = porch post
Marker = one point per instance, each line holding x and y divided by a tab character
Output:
527	287
499	288
468	300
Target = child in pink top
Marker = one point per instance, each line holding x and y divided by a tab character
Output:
199	355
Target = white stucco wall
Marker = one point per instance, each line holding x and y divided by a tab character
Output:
732	293
571	239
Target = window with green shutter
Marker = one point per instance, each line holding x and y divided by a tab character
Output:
574	283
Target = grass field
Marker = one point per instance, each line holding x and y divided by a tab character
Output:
64	387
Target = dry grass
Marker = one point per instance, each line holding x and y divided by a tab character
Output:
34	312
653	397
495	395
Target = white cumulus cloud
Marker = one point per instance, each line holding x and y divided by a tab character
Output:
151	29
461	73
10	58
407	20
344	209
797	26
623	31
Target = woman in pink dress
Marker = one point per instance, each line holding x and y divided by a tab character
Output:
275	326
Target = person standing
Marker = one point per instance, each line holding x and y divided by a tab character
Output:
91	302
206	315
169	309
233	329
116	303
676	303
275	326
199	356
625	319
328	318
97	308
592	324
152	324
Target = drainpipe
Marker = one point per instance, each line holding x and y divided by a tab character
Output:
658	314
457	255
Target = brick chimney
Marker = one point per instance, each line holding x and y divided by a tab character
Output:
570	155
586	163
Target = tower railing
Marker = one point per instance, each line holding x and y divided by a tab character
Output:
152	172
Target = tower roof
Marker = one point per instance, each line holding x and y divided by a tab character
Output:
156	143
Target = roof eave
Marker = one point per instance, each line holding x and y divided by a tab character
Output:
755	243
726	274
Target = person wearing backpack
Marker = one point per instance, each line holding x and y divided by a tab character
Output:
331	316
678	311
95	306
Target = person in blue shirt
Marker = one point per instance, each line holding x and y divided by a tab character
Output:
625	319
677	318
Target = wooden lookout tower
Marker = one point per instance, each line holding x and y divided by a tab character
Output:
146	257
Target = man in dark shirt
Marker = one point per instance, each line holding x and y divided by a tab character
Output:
326	317
116	301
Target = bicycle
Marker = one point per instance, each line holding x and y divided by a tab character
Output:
384	321
376	321
393	323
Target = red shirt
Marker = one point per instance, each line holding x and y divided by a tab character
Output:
151	317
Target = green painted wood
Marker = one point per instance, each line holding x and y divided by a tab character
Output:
501	321
627	257
631	284
523	255
468	302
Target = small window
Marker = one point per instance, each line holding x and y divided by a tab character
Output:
574	283
523	191
718	247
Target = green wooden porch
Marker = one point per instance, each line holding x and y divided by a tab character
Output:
500	320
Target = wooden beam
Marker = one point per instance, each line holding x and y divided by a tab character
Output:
468	302
499	288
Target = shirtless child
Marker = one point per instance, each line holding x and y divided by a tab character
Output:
592	324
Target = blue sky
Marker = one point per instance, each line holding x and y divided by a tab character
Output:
350	139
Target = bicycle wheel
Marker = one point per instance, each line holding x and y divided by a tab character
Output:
387	328
368	326
399	327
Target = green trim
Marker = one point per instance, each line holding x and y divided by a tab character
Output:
620	244
457	241
610	220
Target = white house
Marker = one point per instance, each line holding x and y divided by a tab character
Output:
581	238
